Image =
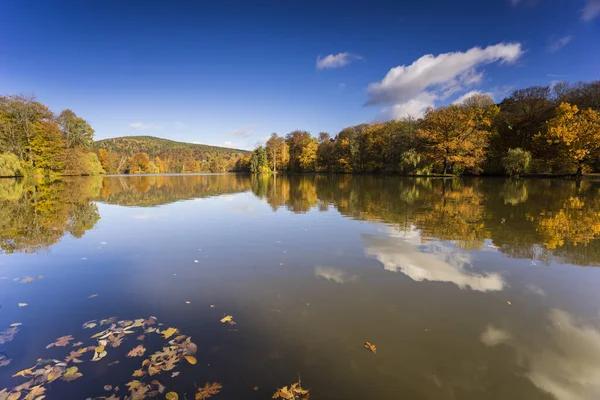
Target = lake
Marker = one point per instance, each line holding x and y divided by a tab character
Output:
467	288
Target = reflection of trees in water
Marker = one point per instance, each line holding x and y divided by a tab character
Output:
156	190
538	219
34	215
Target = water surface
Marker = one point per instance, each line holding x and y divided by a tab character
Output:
470	289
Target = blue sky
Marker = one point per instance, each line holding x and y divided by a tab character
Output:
232	72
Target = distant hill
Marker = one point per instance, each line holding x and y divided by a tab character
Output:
154	146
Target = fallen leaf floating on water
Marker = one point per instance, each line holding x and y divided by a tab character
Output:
23	304
71	374
89	324
209	390
228	319
172	396
509	303
191	360
255	388
174	374
137	351
140	338
108	388
4	361
28	279
15	324
77	344
371	347
61	341
7	335
138	372
12	396
167	333
294	392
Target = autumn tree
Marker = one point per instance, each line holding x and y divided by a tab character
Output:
75	130
20	117
139	163
46	148
575	134
325	152
308	156
296	142
456	137
278	153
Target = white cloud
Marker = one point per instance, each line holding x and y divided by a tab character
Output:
559	44
414	107
465	96
143	126
535	290
493	336
228	144
439	263
261	141
412	88
334	274
336	60
591	10
243	132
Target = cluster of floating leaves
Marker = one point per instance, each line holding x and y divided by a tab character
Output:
178	348
293	392
46	371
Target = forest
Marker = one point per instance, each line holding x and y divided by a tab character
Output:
537	130
34	141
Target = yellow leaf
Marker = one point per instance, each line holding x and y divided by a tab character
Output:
99	349
172	396
191	360
370	346
167	333
138	372
228	319
14	396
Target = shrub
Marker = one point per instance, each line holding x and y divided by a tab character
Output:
516	162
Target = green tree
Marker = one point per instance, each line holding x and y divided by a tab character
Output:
516	162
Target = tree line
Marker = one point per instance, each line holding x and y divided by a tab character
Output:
539	129
34	141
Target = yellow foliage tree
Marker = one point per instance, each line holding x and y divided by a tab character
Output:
456	137
575	133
